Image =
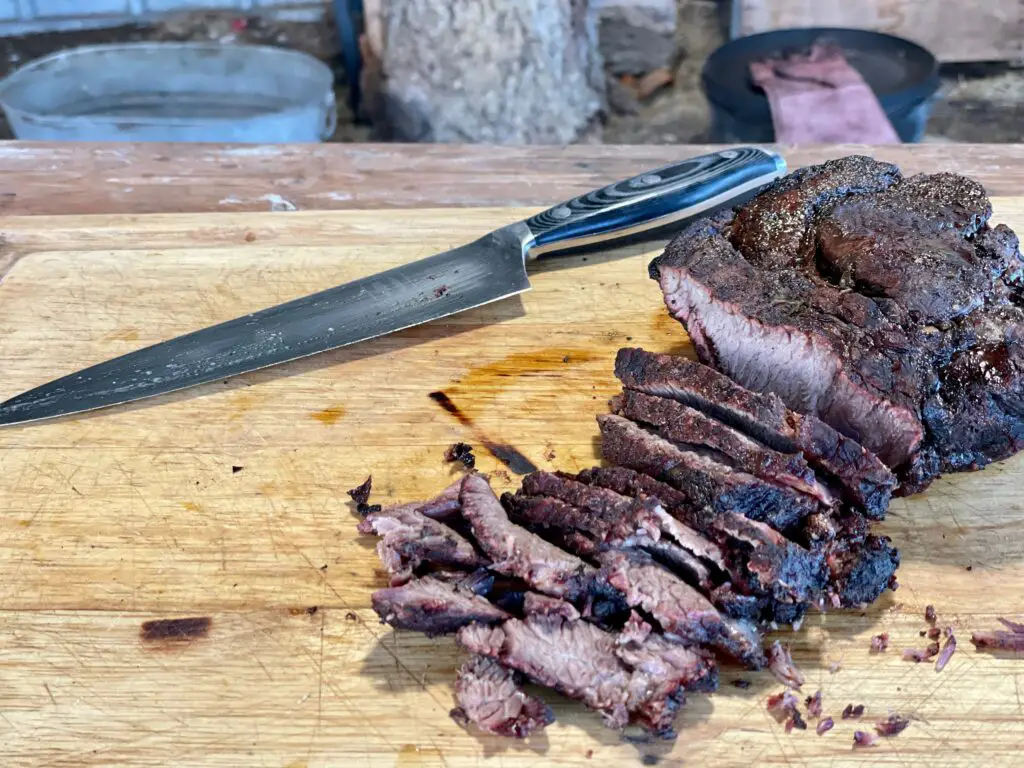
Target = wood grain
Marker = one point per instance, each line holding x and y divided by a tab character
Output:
185	178
986	30
227	502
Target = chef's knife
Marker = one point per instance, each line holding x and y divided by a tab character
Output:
489	269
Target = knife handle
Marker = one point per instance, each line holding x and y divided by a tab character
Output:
635	209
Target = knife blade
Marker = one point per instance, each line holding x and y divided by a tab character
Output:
489	269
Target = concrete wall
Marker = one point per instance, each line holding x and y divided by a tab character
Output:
21	16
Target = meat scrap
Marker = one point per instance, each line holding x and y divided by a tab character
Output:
813	704
360	494
489	696
781	705
999	640
1013	626
864	739
462	453
929	614
780	662
880	642
921	654
796	721
852	711
825	725
892	725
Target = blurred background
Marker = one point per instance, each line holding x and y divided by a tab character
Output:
515	72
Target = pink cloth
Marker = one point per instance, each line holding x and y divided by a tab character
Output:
818	98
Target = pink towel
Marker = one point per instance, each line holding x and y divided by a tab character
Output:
818	98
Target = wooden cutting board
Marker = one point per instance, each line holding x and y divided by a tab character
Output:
226	506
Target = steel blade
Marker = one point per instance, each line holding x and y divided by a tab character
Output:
481	272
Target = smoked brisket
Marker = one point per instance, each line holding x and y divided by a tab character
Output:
887	307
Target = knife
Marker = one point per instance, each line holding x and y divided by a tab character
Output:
486	270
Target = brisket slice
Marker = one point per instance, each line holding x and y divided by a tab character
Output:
410	539
706	481
772	578
888	308
489	696
680	609
587	519
862	478
823	351
583	662
686	426
516	551
433	607
444	507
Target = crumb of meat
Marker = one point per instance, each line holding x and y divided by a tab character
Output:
440	291
361	494
969	568
933	633
921	654
880	642
813	704
549	454
929	614
502	475
825	725
781	705
1013	626
796	721
588	754
834	667
780	662
743	684
999	639
892	725
461	452
864	739
852	711
351	616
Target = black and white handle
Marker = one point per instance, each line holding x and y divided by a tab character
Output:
653	200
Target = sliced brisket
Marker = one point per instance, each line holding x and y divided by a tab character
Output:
410	538
889	308
516	551
489	696
687	427
605	519
679	608
772	578
705	480
585	663
863	479
433	607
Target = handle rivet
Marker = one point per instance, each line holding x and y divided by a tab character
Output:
730	154
649	178
561	212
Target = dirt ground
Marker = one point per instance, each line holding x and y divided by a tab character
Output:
977	103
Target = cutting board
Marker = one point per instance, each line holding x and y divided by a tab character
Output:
181	582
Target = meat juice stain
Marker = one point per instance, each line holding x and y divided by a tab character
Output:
499	375
330	415
506	454
175	629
